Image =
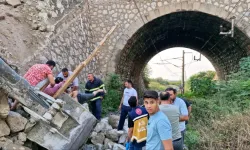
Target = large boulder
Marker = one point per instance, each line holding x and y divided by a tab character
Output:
102	127
4	129
118	147
16	122
123	138
22	136
89	147
12	146
114	120
113	135
97	138
108	144
29	125
13	3
125	127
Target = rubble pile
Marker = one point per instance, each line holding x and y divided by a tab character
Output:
105	135
13	131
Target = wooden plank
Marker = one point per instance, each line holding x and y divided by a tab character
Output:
83	64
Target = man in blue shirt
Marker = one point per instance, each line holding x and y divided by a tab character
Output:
182	108
159	131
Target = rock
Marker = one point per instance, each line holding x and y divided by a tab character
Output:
22	136
14	139
105	120
13	3
97	138
102	126
108	144
4	106
11	146
114	120
99	127
51	28
34	26
4	129
43	28
123	138
16	122
118	147
113	135
2	1
86	106
89	147
2	18
99	146
18	142
29	125
3	139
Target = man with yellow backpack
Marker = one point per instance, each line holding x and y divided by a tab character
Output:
137	124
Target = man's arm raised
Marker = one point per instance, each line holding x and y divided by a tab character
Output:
51	80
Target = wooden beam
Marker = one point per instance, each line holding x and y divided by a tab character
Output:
83	64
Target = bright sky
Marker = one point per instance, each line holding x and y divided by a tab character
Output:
170	72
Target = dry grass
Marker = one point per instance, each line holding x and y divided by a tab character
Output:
229	133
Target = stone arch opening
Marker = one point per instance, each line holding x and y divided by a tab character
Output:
190	29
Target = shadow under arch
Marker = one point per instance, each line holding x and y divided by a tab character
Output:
190	29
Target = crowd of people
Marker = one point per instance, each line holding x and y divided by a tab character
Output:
39	74
159	124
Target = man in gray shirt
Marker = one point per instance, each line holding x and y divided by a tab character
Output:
173	114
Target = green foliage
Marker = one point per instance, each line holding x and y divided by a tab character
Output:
202	84
160	84
112	98
187	95
156	86
192	138
160	80
145	76
229	97
176	83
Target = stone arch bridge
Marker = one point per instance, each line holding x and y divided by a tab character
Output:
162	24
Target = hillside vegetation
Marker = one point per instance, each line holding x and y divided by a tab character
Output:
220	117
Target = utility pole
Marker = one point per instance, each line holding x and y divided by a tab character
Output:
183	71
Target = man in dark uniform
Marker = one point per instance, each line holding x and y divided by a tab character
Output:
92	85
189	107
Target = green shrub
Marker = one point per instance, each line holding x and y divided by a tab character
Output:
113	96
202	84
227	99
156	86
192	138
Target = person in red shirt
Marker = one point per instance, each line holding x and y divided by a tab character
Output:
38	73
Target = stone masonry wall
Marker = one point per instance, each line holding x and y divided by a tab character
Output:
67	31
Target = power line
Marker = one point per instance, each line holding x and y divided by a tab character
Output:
178	58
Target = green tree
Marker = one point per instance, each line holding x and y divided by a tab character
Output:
114	93
202	84
145	76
